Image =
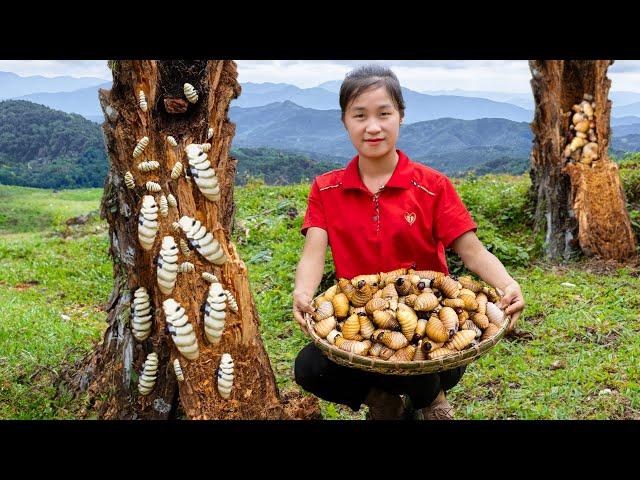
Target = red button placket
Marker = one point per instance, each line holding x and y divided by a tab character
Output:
376	219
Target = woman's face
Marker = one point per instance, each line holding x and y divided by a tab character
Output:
373	116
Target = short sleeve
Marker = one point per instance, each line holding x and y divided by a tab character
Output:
451	217
315	216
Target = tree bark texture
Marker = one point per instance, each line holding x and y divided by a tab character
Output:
109	373
579	206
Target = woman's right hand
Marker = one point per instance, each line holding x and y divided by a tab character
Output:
301	305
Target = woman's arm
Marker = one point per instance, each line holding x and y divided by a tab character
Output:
484	264
309	273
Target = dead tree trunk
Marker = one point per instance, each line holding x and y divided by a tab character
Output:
110	373
580	204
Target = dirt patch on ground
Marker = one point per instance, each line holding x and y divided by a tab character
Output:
26	285
300	407
591	335
536	319
491	387
598	266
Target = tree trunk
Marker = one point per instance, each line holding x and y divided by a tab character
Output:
109	372
580	205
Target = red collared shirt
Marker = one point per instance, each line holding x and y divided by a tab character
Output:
408	223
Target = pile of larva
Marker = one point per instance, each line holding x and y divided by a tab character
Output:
582	140
407	315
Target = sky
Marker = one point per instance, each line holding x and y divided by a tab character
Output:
419	75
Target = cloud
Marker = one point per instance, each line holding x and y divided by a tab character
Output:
56	68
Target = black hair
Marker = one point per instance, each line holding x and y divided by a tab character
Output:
365	77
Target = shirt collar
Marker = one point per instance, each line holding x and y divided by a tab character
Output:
400	178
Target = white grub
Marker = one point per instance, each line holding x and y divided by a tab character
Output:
153	186
589	153
190	92
172	141
141	315
215	313
184	246
206	147
142	101
225	375
142	144
209	277
178	370
180	329
495	315
148	166
128	180
232	301
176	170
186	267
167	270
209	133
164	206
147	222
147	379
202	240
172	201
202	172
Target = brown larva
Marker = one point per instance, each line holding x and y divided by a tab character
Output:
375	349
141	145
395	340
430	274
346	288
461	340
469	325
388	278
491	294
164	206
340	305
363	293
147	379
184	247
403	285
421	326
480	320
176	226
366	327
385	319
470	302
425	301
439	353
447	286
428	345
490	331
153	186
405	354
386	352
353	346
463	315
482	300
172	141
128	180
148	166
372	280
420	353
331	337
453	302
408	320
324	327
436	331
351	327
142	101
190	92
331	292
376	303
449	320
471	284
176	170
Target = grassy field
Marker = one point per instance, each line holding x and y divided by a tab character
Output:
579	360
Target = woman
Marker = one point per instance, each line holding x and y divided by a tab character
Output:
380	213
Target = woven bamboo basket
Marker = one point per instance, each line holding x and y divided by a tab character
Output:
419	367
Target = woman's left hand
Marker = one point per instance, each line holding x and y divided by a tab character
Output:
514	303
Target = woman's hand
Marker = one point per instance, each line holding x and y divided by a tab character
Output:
301	304
512	303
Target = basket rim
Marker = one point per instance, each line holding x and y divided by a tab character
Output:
457	359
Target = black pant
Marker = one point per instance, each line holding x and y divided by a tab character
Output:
315	373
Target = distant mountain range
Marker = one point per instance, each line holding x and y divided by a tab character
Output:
12	85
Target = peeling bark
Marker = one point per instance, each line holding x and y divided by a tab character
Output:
579	207
111	371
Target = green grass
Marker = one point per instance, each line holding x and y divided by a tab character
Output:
590	330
